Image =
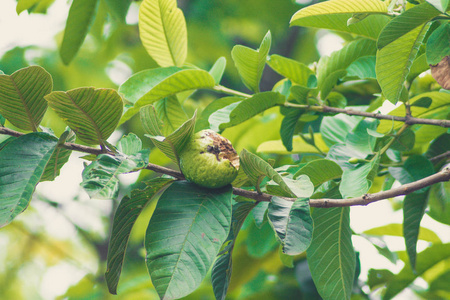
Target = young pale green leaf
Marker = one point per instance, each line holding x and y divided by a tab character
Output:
22	163
246	109
320	171
256	169
92	113
129	144
289	68
184	236
356	182
174	142
439	109
412	18
292	223
441	5
22	98
81	17
100	179
396	230
250	63
180	81
218	69
334	15
426	259
221	271
216	105
171	114
127	212
414	206
331	257
298	146
438	44
394	62
330	69
162	29
59	158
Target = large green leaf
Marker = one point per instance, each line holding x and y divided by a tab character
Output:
174	142
81	17
127	212
334	15
406	22
289	125
320	171
184	236
298	146
256	169
331	68
331	257
415	168
100	179
216	105
396	230
334	129
250	63
414	206
22	163
163	33
425	261
221	271
439	202
394	62
438	44
92	113
289	68
171	114
359	138
363	67
22	96
180	81
292	223
244	110
129	144
356	182
59	158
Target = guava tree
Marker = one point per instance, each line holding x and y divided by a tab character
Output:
334	150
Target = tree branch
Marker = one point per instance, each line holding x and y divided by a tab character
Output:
409	120
443	175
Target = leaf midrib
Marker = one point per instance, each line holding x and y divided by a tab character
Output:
27	111
163	23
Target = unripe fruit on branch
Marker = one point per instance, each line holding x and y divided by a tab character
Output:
209	160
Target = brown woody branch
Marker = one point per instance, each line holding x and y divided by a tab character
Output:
442	176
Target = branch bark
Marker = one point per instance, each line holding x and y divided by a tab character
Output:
443	175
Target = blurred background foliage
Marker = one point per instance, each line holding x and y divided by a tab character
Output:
57	247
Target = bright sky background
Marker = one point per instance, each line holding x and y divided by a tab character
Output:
40	30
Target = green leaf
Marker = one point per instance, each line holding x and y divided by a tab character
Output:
425	261
442	5
216	105
298	146
439	202
356	182
180	81
246	109
129	144
22	163
221	271
394	62
359	139
100	179
173	143
331	257
405	141
302	187
185	233
334	15
218	69
334	129
418	66
297	72
289	125
255	235
59	158
414	206
425	234
119	8
363	67
415	168
250	63
171	114
162	29
22	96
405	23
256	169
320	171
438	44
331	68
127	212
292	223
259	213
81	17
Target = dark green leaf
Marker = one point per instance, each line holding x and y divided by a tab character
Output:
59	158
292	223
288	125
127	212
438	44
335	99
255	248
439	202
81	17
185	233
378	277
259	213
405	141
22	163
415	168
119	8
22	96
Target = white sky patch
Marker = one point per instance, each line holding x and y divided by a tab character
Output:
57	279
328	42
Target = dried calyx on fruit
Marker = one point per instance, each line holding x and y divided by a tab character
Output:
209	160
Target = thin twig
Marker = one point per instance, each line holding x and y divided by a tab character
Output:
440	156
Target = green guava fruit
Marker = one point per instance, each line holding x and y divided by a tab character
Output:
209	160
